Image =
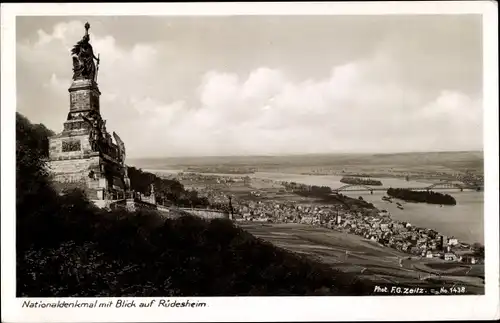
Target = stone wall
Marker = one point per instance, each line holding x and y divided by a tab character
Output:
132	205
206	213
136	204
75	170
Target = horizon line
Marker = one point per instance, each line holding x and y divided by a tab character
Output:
315	154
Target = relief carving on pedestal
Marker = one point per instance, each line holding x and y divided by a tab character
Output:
71	145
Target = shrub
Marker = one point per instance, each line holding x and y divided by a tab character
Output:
67	247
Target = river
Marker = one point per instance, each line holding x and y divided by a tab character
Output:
464	221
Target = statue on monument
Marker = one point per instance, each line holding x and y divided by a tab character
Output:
95	135
83	58
121	147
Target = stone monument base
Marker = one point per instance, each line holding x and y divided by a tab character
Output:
73	164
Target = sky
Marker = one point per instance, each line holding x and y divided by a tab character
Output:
265	85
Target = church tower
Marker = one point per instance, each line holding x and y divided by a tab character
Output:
84	155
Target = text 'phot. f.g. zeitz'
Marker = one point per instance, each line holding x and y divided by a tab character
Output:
271	177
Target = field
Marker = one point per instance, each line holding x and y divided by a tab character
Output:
374	164
352	253
267	190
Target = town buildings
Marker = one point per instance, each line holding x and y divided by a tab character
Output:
369	223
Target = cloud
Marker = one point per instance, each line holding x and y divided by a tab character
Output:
360	106
352	110
124	76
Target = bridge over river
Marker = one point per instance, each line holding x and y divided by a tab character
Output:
442	186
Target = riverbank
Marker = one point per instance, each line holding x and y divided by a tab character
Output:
266	200
324	194
372	224
464	220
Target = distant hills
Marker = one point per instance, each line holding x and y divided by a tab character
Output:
459	161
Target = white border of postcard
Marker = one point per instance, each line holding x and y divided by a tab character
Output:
261	308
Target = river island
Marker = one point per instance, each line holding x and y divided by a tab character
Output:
429	197
360	181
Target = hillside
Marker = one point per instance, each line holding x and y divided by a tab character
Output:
66	247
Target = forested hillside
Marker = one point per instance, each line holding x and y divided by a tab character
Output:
68	247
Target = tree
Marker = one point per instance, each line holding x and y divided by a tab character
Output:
35	197
32	151
478	250
165	189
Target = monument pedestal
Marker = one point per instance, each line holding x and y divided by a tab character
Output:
73	161
83	168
